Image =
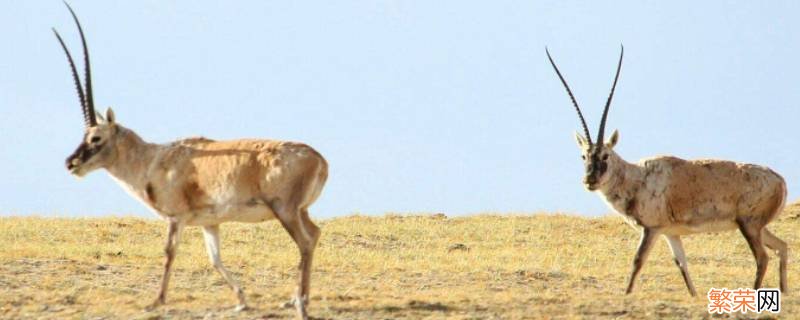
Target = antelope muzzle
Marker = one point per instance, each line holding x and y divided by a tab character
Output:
82	155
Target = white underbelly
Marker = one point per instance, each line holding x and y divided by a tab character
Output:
244	213
716	226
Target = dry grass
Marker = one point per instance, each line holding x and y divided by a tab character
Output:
395	267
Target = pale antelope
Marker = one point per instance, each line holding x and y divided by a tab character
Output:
672	197
202	182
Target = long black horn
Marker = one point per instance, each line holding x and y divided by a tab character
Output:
75	78
88	110
572	97
602	129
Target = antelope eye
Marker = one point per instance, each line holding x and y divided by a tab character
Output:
583	157
95	139
605	157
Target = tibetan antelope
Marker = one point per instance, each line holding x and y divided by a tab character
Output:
672	197
202	182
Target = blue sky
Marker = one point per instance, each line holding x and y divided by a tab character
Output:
419	106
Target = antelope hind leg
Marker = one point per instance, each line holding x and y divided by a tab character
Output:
752	233
292	222
774	243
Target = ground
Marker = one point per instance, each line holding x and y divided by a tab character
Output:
489	266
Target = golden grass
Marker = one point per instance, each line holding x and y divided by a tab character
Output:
391	267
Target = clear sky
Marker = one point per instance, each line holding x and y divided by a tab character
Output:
419	106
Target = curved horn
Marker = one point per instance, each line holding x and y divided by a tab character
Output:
75	78
572	97
602	129
88	107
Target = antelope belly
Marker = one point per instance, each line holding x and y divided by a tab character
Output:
716	226
241	213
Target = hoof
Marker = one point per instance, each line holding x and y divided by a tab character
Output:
292	303
299	304
154	305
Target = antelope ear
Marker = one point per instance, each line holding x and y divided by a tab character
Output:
99	117
110	115
612	141
582	142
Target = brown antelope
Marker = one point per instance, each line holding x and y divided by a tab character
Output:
202	182
672	197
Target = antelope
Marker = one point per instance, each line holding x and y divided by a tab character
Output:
202	182
669	196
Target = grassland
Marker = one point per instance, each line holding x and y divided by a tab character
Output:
392	267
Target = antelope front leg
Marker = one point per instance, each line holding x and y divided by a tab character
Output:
648	235
173	237
211	235
676	246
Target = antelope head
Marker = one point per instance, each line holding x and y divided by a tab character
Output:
599	158
96	150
